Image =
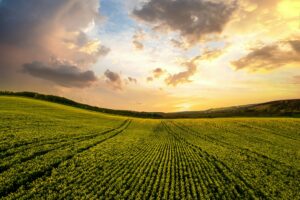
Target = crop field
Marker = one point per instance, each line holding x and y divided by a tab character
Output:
53	151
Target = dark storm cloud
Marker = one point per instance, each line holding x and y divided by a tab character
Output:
23	22
270	56
61	73
20	20
113	79
50	27
192	18
39	29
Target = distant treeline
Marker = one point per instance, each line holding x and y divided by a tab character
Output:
65	101
287	108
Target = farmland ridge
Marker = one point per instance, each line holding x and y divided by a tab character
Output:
287	108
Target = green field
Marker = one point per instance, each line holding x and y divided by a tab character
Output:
54	151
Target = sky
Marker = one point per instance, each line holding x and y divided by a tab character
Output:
152	55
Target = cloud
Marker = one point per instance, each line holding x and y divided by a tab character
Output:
270	56
211	54
149	79
138	45
137	39
25	22
45	28
113	79
132	80
295	45
158	72
62	73
94	47
179	44
193	19
183	77
87	53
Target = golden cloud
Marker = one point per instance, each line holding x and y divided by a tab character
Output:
270	56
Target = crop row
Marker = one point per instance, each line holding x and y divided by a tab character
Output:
156	164
21	173
151	159
253	166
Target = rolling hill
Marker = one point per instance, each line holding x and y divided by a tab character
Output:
289	108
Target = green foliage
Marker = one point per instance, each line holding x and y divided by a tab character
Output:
52	151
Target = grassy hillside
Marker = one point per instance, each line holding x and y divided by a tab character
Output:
65	101
286	108
60	152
